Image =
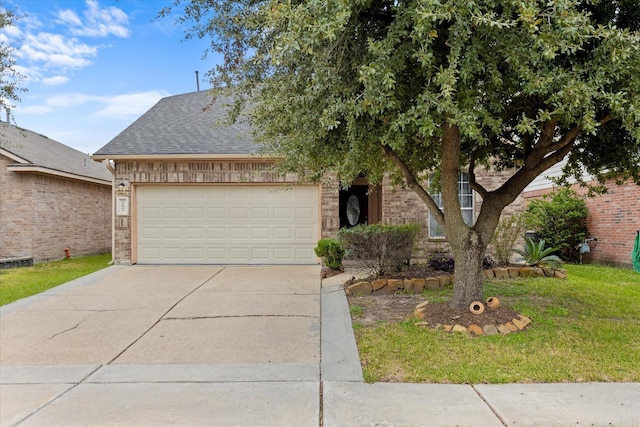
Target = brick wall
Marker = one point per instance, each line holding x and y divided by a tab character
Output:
41	215
613	218
403	206
399	206
16	218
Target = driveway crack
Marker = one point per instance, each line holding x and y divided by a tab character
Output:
66	330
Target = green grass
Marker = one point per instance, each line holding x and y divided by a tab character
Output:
585	328
21	282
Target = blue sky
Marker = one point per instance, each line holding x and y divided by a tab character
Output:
94	66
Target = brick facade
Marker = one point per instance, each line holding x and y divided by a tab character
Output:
399	206
41	215
613	218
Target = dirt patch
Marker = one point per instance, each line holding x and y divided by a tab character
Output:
374	310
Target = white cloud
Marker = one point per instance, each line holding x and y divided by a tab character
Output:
129	105
99	22
55	80
116	107
55	50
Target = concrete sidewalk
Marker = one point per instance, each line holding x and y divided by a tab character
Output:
238	346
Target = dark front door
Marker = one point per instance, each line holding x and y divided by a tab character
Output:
354	206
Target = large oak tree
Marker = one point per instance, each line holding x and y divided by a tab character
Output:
417	87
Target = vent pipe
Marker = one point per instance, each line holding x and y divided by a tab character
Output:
197	81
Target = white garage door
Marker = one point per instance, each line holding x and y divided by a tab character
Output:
226	224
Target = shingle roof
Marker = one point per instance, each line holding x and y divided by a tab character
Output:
183	124
30	149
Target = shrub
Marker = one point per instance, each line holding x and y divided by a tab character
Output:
509	229
331	252
380	248
443	261
560	219
536	254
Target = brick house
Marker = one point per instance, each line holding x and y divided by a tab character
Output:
52	197
613	218
190	191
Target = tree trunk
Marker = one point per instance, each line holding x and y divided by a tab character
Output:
468	254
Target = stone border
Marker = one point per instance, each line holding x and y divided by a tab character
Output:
518	323
417	285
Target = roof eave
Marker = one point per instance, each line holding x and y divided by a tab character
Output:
225	157
46	171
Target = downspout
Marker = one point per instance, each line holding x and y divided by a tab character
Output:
111	167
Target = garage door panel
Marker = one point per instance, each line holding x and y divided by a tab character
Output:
227	224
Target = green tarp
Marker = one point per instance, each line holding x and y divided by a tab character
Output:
635	255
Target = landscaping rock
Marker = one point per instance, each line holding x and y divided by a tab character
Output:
432	283
378	284
525	319
475	330
419	284
513	271
503	329
408	286
395	284
525	272
537	272
501	273
511	326
488	273
360	288
445	281
560	274
459	328
519	323
490	330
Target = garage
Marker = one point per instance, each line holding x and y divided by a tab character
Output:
226	224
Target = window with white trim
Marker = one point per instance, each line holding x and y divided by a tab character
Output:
465	196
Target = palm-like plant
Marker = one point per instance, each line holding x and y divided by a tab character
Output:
535	254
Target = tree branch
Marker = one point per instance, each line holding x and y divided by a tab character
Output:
413	183
475	186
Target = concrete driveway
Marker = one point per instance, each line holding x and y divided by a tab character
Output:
239	346
148	345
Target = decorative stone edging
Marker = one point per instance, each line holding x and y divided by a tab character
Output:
417	285
518	323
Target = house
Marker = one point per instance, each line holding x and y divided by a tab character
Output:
613	218
52	197
189	191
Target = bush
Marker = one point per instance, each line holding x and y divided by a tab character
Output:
443	261
509	229
560	219
380	248
331	252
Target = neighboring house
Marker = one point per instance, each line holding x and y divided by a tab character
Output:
189	191
613	218
52	197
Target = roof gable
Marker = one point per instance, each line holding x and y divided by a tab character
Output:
187	124
30	149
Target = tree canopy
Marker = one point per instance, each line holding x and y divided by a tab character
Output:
414	87
9	76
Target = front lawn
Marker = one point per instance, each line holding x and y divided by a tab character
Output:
21	282
585	328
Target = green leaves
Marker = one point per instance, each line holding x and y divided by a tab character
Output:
535	254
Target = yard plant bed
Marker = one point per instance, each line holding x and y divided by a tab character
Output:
584	328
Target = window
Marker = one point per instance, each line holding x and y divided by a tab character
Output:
465	195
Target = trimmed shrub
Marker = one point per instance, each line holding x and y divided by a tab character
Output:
380	248
560	219
331	252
